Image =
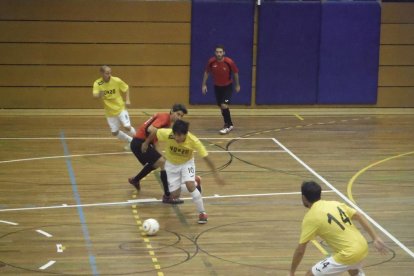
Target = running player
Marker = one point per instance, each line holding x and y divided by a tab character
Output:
143	147
180	166
222	68
110	90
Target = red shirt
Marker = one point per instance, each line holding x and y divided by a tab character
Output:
159	120
221	70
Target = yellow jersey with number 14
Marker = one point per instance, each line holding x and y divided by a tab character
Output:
112	99
183	152
331	220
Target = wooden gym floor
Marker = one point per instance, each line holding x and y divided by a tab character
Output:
66	207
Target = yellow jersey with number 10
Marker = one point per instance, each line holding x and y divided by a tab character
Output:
331	220
112	99
183	152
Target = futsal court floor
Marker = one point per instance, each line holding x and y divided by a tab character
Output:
66	207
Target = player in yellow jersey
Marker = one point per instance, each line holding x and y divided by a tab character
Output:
110	90
179	163
331	221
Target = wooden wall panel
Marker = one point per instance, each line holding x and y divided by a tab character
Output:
395	97
397	34
94	32
95	54
81	97
396	76
96	10
157	76
397	55
397	13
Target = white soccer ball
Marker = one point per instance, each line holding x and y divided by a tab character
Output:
151	226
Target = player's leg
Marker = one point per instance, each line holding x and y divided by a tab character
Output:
223	99
166	198
174	179
114	125
330	267
188	178
126	122
148	159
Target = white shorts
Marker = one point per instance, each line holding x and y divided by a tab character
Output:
330	267
115	121
179	174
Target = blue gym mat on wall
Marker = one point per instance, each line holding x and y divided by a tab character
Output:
288	52
349	52
221	22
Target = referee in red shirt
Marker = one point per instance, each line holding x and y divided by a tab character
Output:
222	68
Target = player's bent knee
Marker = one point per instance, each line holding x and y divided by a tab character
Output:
190	186
160	163
224	106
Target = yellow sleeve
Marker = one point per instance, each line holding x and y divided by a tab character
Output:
309	230
199	147
95	88
123	86
163	134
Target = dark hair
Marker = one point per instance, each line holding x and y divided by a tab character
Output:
180	127
311	191
179	107
220	46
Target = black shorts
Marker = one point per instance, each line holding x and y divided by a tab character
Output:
223	94
150	156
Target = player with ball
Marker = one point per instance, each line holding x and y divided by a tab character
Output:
179	165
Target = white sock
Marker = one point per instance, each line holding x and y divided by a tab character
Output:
361	273
132	132
198	200
124	137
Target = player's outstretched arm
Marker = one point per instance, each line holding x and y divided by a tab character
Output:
378	243
204	83
213	169
297	257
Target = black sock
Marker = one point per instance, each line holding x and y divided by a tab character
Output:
144	172
164	180
227	117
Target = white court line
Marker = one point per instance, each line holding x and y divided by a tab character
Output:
44	233
110	138
8	222
144	200
388	234
50	263
126	152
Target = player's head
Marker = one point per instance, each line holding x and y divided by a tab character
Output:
177	112
219	52
180	130
311	192
106	72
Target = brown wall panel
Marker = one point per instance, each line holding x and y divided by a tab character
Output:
395	97
396	76
95	54
96	10
397	34
397	55
94	32
43	97
85	75
397	13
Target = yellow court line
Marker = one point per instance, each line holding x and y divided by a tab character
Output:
146	240
351	182
299	117
319	246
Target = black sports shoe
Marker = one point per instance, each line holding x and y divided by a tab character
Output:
134	183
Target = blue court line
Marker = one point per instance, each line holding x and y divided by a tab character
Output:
76	195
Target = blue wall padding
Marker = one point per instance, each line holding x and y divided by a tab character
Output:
349	52
288	52
230	23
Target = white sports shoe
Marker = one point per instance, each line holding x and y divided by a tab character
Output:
127	147
226	130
